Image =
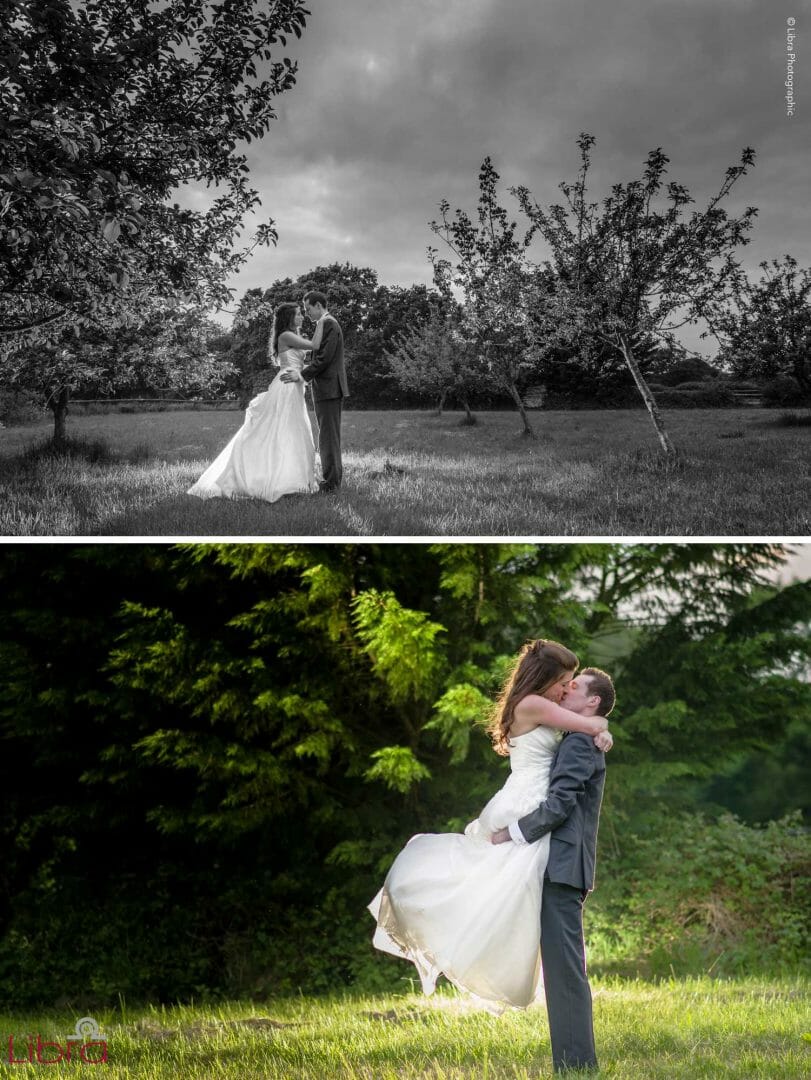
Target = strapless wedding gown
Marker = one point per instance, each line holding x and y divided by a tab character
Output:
458	905
273	453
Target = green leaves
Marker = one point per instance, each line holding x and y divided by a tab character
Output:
397	768
457	712
400	643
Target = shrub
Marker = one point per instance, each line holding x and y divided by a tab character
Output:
743	384
692	368
609	396
693	893
712	396
704	384
783	391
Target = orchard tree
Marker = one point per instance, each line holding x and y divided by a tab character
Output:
497	283
631	270
109	107
765	328
435	359
394	310
174	349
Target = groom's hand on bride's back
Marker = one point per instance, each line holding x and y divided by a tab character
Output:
290	376
501	836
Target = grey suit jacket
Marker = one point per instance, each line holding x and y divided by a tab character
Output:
571	812
326	370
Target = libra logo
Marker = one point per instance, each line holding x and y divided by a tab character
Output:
86	1029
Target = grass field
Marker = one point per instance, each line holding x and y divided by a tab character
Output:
739	472
699	1029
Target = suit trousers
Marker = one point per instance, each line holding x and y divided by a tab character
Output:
566	984
328	415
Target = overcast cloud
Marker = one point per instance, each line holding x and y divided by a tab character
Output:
398	102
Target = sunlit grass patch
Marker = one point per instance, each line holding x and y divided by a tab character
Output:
675	1030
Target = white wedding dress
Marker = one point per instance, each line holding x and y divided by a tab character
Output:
273	453
455	904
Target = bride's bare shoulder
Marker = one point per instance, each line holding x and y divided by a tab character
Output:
529	706
527	714
290	340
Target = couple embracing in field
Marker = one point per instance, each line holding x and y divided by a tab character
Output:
273	453
498	909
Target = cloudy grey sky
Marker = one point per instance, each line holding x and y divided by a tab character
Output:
398	102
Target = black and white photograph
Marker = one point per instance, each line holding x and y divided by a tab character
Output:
457	268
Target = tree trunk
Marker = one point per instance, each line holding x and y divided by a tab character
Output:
59	404
441	403
469	417
521	408
648	398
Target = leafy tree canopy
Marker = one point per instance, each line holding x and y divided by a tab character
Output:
620	276
109	107
765	326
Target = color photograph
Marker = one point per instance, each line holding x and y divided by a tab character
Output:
407	810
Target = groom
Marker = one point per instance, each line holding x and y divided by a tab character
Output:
327	372
570	812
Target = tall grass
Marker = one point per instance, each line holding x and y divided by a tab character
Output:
699	1029
739	472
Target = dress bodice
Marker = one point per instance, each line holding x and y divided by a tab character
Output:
531	757
292	359
533	749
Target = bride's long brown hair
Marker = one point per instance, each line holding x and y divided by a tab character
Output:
538	666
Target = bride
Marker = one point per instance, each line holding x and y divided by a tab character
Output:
457	905
273	453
